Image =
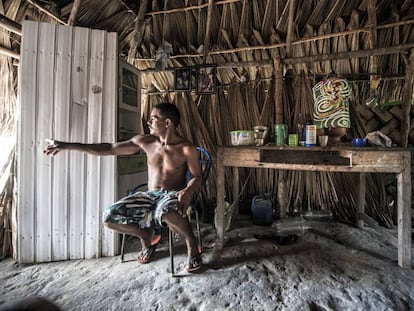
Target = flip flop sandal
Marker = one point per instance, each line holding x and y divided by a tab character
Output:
145	254
195	263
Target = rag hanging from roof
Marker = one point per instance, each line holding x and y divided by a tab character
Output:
331	99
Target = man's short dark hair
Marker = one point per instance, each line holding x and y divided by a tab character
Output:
169	111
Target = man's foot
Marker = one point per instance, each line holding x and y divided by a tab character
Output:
146	253
195	263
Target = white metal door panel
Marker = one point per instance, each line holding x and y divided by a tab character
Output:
67	92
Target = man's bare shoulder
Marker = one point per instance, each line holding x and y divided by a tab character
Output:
142	140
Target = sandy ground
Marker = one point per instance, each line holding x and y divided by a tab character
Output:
333	266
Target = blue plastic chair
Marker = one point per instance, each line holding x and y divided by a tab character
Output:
205	163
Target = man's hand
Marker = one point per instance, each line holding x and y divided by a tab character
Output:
184	199
53	147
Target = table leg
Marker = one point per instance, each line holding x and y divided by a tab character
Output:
220	198
236	190
404	213
361	200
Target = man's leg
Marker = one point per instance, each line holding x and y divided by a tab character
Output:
181	225
144	234
128	209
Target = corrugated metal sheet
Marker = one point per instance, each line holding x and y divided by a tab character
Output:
67	91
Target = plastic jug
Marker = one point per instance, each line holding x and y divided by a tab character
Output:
262	209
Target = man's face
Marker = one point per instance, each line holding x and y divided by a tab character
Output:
156	124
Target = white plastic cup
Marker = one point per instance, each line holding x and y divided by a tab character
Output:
323	140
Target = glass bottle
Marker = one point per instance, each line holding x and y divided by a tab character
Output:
300	129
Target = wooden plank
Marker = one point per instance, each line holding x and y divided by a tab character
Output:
61	121
43	129
108	178
304	157
239	154
26	144
374	158
78	128
93	163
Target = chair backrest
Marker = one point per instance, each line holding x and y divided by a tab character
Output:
205	163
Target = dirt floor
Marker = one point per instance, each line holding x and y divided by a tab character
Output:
332	266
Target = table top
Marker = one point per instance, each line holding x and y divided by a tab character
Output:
339	147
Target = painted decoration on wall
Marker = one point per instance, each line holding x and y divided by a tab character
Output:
206	79
182	79
331	98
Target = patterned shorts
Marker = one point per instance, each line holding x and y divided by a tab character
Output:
142	208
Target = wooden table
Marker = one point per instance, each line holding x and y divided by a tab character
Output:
331	159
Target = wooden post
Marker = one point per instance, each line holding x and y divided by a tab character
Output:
404	212
282	187
407	97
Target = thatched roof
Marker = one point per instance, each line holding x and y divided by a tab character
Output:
255	44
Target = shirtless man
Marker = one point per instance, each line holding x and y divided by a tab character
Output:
169	156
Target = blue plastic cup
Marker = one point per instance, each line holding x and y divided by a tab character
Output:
359	142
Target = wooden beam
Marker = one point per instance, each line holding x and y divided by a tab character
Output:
323	57
372	43
277	67
10	25
350	54
208	30
138	31
8	52
309	59
291	20
190	8
407	98
74	12
47	12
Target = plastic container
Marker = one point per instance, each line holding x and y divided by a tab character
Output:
242	138
262	209
310	135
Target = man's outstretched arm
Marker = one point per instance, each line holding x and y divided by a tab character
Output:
121	148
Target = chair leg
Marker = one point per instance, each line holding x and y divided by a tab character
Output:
171	242
122	247
198	232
